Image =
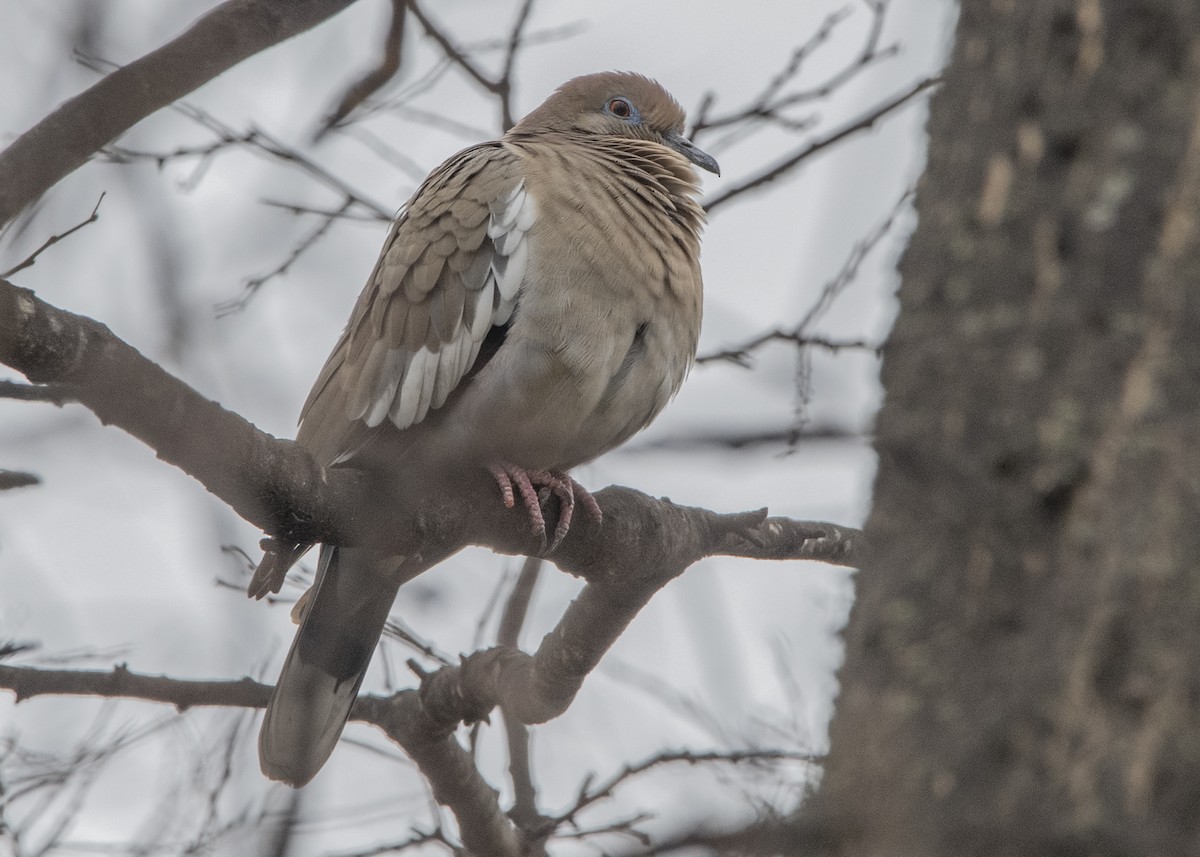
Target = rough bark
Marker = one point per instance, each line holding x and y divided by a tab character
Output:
1023	663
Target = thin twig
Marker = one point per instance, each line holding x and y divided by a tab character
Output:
252	284
798	334
510	58
590	794
787	164
452	51
525	809
769	105
29	260
741	354
384	71
55	394
501	86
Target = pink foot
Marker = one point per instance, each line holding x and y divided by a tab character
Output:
514	480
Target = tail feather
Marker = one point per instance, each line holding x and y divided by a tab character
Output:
325	667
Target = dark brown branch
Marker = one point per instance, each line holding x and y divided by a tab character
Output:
791	162
451	50
29	260
55	394
510	57
277	486
119	682
64	140
642	544
501	86
451	771
524	810
385	70
517	605
10	479
269	482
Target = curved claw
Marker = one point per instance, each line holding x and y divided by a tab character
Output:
514	480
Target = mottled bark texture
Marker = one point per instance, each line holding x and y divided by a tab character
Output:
1023	664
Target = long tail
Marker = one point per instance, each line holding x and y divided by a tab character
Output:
338	632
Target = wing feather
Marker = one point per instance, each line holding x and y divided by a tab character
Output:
450	270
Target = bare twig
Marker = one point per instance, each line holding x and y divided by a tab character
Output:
501	86
641	545
385	70
452	51
64	140
741	354
339	213
252	284
785	165
510	58
54	239
55	394
525	809
256	140
769	105
590	794
517	606
10	479
416	840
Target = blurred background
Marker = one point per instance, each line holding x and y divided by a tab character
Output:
213	255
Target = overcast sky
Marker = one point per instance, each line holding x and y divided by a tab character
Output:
118	554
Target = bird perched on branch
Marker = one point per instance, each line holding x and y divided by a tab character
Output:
536	303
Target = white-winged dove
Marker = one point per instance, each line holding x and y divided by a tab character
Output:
536	303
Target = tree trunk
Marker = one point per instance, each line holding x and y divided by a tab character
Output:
1023	664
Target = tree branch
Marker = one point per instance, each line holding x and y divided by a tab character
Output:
64	140
641	545
385	69
29	260
525	809
272	483
277	486
791	162
10	479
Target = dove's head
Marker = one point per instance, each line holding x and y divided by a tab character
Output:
620	104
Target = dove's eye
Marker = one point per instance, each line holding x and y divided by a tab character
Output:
622	108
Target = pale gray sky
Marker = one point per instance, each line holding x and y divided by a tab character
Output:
116	550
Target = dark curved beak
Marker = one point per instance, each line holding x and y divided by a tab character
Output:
687	148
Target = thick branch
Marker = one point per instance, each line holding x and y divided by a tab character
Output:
64	140
270	482
277	486
642	544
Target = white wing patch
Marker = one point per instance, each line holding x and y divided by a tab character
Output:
410	384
